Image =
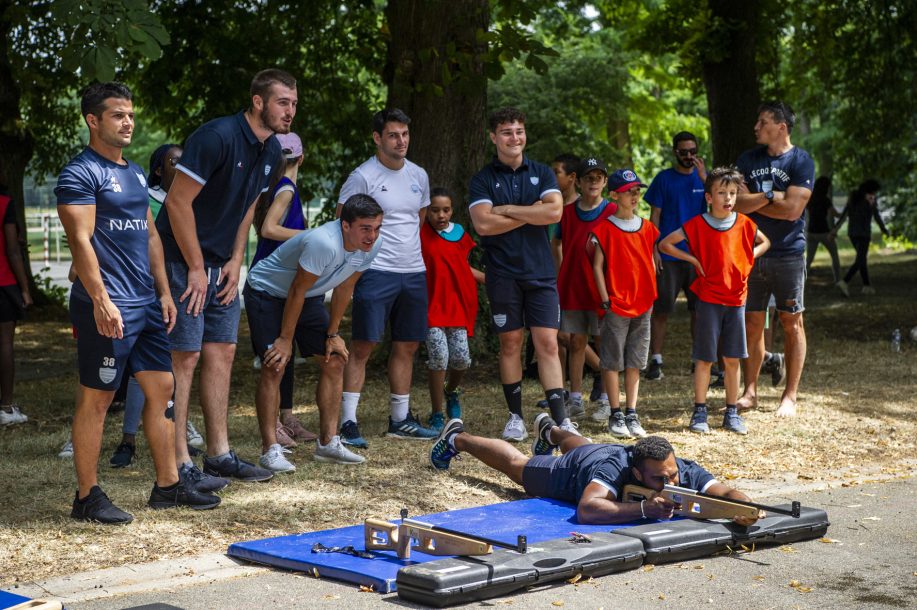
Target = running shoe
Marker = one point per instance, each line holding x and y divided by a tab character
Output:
350	435
96	507
441	453
194	437
602	411
575	407
654	371
409	428
515	429
232	467
274	460
453	406
123	456
180	495
193	478
699	421
541	430
618	426
733	422
336	453
632	421
437	421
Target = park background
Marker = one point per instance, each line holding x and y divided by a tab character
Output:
614	79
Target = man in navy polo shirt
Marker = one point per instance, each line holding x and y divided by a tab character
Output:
779	178
120	327
226	164
512	201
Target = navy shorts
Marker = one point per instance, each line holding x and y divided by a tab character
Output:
103	362
548	476
783	277
265	317
515	304
11	306
399	299
721	325
676	276
215	324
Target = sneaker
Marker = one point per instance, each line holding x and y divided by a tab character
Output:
617	426
256	363
602	410
123	456
350	435
733	422
778	369
514	430
699	421
597	387
868	290
336	453
98	508
540	430
116	406
194	437
232	466
181	496
453	406
273	460
569	426
437	421
66	451
13	416
409	428
192	478
654	371
297	430
284	436
575	407
717	378
632	421
844	288
441	453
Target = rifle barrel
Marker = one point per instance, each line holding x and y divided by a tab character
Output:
792	512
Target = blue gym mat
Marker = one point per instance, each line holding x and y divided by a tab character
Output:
538	519
8	600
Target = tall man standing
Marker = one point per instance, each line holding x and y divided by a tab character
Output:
676	195
120	328
394	289
779	178
512	201
204	224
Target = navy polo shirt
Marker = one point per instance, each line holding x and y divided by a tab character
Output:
233	167
525	252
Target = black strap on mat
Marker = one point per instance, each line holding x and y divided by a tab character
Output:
318	547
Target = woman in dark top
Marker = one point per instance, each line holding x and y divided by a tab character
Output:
861	209
821	219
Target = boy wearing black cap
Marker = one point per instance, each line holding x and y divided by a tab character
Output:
627	289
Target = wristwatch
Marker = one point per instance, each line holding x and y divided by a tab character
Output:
769	195
332	336
606	305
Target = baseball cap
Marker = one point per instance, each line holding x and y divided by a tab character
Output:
291	145
623	180
591	164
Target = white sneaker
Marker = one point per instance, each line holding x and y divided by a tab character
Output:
569	426
632	421
13	416
336	453
256	363
845	290
273	460
194	437
602	411
575	407
515	429
66	452
618	427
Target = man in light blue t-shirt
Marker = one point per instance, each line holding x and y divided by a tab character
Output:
284	300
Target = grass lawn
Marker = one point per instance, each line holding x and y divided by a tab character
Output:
855	417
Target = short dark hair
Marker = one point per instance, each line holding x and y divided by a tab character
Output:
569	161
360	206
440	191
94	96
157	161
651	448
729	175
389	115
782	112
505	115
683	136
871	185
264	80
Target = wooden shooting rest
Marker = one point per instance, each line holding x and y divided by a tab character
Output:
380	535
690	504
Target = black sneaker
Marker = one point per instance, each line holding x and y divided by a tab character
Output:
233	467
98	508
350	435
123	456
597	387
180	495
778	369
717	377
654	371
192	478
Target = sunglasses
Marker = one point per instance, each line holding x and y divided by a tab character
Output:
685	152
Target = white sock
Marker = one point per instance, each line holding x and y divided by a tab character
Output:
349	402
399	404
657	358
576	395
603	396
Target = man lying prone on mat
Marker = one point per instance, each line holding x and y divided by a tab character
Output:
590	474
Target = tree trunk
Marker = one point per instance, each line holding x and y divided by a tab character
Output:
436	75
731	78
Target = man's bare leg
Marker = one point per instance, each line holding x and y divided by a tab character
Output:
355	369
157	389
794	339
751	366
510	352
496	453
328	396
183	367
401	366
577	361
267	404
549	372
88	425
216	369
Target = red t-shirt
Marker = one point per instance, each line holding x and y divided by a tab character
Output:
726	256
452	292
575	283
6	217
630	274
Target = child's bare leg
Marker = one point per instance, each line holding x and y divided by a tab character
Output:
612	388
631	387
436	380
731	380
576	355
455	380
702	380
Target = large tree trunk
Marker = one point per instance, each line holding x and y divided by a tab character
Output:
436	75
731	78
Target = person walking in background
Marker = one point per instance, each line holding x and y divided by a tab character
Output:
822	217
861	210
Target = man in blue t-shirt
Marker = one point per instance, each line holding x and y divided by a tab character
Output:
779	178
588	474
120	305
676	195
226	164
512	200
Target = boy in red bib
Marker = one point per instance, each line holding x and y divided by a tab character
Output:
625	277
723	246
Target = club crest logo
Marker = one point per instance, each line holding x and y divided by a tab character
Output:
629	176
267	170
415	188
533	179
141	179
115	185
591	162
106	374
500	319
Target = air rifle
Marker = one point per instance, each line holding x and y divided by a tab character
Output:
697	505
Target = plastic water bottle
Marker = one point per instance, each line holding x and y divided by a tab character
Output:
896	340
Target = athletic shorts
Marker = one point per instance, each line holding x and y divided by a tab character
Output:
515	304
624	342
103	362
784	277
399	299
265	318
214	324
721	325
676	276
11	306
579	322
555	477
